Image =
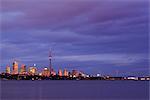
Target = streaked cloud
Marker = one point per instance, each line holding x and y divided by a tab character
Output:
116	59
109	32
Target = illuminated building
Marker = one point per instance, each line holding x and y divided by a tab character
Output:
7	69
82	74
53	73
15	67
40	74
65	72
46	72
75	73
69	73
60	72
32	71
23	69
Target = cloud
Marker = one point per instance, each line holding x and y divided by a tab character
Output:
116	59
52	14
80	31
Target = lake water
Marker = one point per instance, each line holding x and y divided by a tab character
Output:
74	90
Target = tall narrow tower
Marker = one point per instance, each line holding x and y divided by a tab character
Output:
50	62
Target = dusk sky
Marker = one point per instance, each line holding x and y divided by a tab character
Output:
94	36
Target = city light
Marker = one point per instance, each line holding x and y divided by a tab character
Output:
49	73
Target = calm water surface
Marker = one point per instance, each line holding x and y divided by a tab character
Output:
74	90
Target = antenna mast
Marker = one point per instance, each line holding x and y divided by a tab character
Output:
50	61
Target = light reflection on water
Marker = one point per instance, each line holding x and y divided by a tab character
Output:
74	90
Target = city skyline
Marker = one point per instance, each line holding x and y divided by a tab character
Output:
49	73
95	36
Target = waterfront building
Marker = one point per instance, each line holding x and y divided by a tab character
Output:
32	71
53	73
132	78
60	72
69	74
75	73
23	69
66	72
40	74
46	72
82	74
7	69
15	67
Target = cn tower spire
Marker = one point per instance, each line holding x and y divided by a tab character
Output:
50	61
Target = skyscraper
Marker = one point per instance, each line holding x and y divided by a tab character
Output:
60	72
7	69
46	72
65	72
15	67
23	69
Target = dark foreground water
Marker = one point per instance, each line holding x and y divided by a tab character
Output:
74	90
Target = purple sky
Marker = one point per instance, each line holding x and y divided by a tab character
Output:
94	36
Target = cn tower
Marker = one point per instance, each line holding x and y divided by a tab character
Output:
50	62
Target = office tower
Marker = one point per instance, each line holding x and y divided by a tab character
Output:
23	69
46	72
32	71
60	72
7	69
15	67
65	72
